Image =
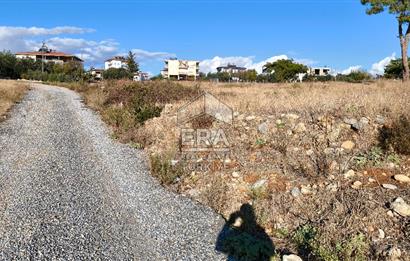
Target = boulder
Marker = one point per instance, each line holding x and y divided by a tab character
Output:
263	128
389	186
401	207
349	174
348	145
291	258
402	178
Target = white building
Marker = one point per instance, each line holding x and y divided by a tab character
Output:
231	69
319	71
116	62
180	69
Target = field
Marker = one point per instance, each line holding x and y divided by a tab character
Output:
10	93
322	165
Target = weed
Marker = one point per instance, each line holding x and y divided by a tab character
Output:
164	171
397	136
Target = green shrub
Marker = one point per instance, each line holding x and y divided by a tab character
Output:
397	136
162	169
354	77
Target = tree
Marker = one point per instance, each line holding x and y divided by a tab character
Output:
132	65
400	8
394	70
117	74
284	70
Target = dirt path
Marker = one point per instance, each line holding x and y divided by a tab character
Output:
67	191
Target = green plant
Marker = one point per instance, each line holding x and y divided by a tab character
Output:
260	142
162	168
354	249
373	157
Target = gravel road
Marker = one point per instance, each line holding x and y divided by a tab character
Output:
68	192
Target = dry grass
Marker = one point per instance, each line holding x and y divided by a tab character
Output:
10	93
370	99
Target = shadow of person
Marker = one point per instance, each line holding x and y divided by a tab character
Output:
248	241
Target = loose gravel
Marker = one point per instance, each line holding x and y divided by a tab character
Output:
69	192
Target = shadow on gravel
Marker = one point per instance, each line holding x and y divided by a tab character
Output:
246	242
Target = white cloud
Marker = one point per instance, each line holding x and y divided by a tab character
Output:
17	39
210	65
378	68
20	38
142	55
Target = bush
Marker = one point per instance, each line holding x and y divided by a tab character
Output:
117	74
162	169
397	136
354	77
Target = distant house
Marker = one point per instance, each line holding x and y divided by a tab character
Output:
141	76
97	74
319	71
47	55
116	62
180	69
231	68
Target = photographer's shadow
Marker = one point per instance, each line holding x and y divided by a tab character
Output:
248	241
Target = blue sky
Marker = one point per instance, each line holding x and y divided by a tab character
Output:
335	33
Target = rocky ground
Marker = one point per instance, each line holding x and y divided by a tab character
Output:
325	169
67	191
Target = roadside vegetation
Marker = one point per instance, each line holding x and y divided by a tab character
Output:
10	93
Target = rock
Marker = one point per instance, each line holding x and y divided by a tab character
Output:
291	258
263	128
306	190
401	207
371	180
390	213
380	120
300	127
295	192
332	187
350	121
174	162
357	185
227	161
391	165
389	186
167	108
236	114
363	122
250	118
291	116
259	184
348	145
309	152
349	174
394	254
235	174
382	235
334	134
402	178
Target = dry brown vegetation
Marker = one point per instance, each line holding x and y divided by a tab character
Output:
10	93
303	146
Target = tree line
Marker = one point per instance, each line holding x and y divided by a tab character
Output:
12	67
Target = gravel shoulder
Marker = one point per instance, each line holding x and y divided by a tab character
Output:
67	191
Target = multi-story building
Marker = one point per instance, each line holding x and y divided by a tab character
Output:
116	62
180	70
47	55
